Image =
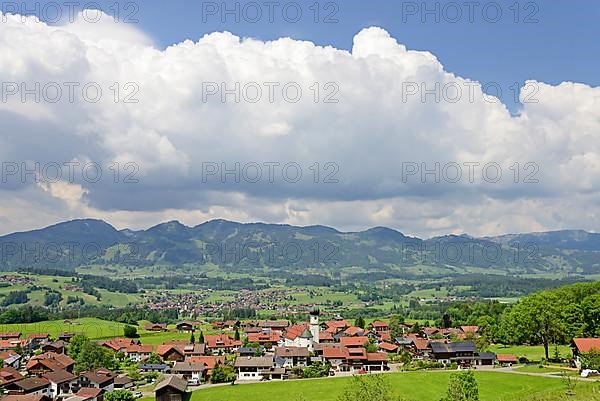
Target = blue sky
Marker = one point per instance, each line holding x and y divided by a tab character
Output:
551	41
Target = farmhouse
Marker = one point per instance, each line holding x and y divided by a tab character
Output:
9	375
156	327
185	327
376	362
189	370
506	359
209	362
170	353
253	368
102	379
293	356
221	343
61	382
11	359
29	385
584	345
380	327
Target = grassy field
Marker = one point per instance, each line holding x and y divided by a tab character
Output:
58	283
100	329
414	386
531	352
93	328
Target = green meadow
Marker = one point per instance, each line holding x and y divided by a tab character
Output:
97	329
533	353
412	386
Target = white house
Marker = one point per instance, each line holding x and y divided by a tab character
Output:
253	368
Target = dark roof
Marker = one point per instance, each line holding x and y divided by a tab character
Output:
188	367
60	376
460	346
153	366
99	376
89	392
123	380
30	383
291	351
173	381
306	334
487	355
404	341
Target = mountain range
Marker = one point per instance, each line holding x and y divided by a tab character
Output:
248	246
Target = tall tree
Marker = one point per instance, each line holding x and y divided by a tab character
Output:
367	388
396	327
360	322
536	319
462	387
119	395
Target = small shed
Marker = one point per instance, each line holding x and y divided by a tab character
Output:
172	388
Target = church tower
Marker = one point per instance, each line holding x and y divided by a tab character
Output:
314	324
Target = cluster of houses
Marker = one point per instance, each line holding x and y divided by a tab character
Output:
197	304
273	349
42	370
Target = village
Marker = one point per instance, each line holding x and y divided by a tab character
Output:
37	367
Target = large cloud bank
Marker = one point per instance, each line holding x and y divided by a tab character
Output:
362	137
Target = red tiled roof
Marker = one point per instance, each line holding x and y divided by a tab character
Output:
221	341
209	361
118	343
506	358
354	331
139	349
6	344
293	332
380	324
7	354
354	341
421	343
163	349
272	337
337	324
587	344
357	353
388	347
10	334
335	353
376	356
325	336
38	335
469	329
